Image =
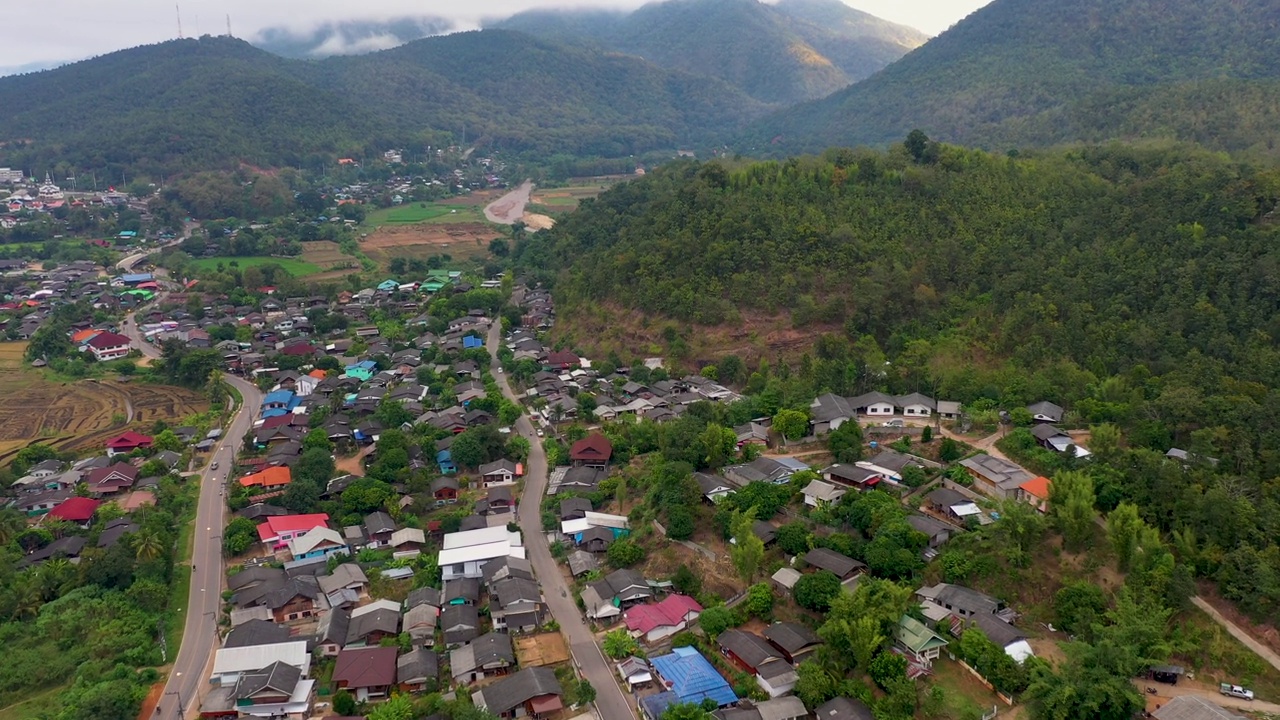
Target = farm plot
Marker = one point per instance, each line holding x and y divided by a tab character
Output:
296	268
326	255
80	415
459	241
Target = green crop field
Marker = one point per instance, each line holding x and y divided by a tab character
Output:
296	268
414	213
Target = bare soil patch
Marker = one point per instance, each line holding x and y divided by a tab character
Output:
534	221
465	240
541	650
326	255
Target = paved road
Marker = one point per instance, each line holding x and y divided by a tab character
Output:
509	208
610	702
199	638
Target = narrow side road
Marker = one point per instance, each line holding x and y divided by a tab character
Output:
1238	633
610	702
199	637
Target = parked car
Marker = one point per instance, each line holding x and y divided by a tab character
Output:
1235	691
895	423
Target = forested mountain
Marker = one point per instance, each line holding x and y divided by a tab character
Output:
783	53
1039	72
348	37
214	102
1139	287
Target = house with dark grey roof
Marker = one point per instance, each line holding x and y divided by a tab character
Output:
418	671
995	477
256	632
843	708
828	412
842	566
1045	412
460	623
959	600
331	631
532	691
488	655
714	488
793	640
574	508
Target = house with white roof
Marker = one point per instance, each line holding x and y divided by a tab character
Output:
464	553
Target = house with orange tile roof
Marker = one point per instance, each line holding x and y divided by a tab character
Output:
276	476
1036	492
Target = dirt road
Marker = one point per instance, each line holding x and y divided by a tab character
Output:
509	208
1238	633
1165	693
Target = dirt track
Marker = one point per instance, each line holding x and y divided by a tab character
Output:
509	208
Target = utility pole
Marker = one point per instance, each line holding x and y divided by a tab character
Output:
229	25
179	10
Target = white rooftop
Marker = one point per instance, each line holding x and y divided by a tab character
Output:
233	661
476	553
483	536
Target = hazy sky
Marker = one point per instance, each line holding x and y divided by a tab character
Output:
64	30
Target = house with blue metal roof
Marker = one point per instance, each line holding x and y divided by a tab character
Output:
388	286
692	678
362	370
471	341
444	459
136	278
279	402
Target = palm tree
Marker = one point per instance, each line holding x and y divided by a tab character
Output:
27	599
216	387
148	545
59	528
12	523
55	578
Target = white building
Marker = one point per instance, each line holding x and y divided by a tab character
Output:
464	553
8	175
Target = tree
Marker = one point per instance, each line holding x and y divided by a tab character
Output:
239	535
914	476
949	450
680	522
317	439
715	620
148	545
619	644
344	703
793	424
886	668
584	692
1124	527
845	442
1071	501
719	445
624	553
814	685
301	496
814	591
926	435
586	408
31	455
748	549
686	582
759	601
793	538
1079	606
916	144
686	711
1019	528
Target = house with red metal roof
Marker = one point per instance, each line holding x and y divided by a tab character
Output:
108	346
655	622
127	442
111	480
367	673
78	510
277	531
591	451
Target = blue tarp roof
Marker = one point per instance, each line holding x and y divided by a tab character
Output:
363	365
137	277
472	341
693	678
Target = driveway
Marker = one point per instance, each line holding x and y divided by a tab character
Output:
610	702
188	677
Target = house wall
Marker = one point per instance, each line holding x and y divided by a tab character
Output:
879	409
775	691
916	411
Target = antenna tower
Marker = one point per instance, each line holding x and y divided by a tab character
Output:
179	11
229	25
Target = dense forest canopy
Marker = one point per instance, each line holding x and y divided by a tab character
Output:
215	102
777	53
1138	287
1040	72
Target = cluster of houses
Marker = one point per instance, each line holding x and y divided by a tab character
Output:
283	616
29	198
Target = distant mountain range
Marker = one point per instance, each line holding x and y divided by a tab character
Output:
778	53
216	101
1040	72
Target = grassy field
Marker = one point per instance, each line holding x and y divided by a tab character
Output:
43	705
438	213
296	268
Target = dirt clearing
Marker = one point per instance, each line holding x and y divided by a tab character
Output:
326	255
422	241
541	650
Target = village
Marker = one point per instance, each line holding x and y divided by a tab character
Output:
431	500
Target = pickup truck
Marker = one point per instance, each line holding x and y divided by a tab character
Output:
1235	691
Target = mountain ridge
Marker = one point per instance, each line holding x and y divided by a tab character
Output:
1010	62
780	53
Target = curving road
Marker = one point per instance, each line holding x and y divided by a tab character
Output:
200	637
610	702
509	208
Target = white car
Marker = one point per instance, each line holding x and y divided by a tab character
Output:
214	466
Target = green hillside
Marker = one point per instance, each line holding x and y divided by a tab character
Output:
1136	287
783	53
1048	71
215	102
